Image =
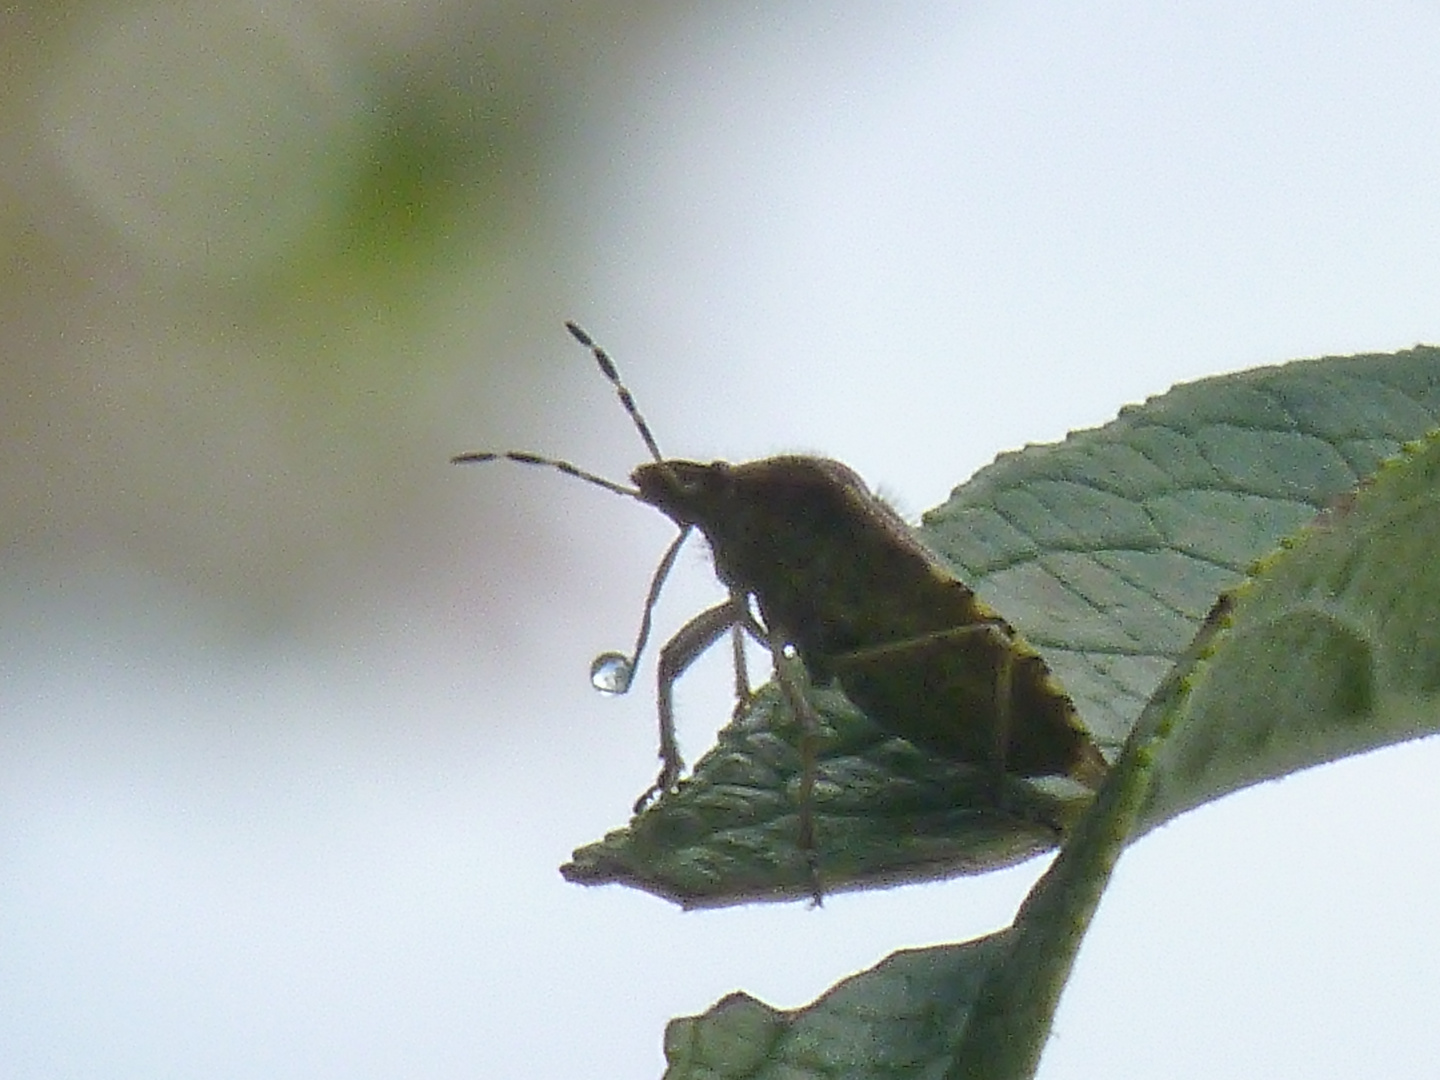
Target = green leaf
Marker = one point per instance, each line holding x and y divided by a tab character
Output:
1107	550
885	813
978	1009
899	1018
1333	647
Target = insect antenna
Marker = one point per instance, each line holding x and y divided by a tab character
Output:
627	399
524	457
610	672
607	367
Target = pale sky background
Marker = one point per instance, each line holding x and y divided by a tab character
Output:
909	236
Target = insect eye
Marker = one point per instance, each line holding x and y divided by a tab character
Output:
681	481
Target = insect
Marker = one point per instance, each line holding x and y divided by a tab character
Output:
825	574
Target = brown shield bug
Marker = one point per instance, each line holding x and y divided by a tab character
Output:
823	572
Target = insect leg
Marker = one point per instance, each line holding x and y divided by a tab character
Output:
1002	686
678	654
1004	689
745	625
742	673
657	580
790	675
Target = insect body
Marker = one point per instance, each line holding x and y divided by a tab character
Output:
837	574
840	581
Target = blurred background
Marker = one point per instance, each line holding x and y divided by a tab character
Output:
295	724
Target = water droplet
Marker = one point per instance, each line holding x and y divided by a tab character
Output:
611	672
